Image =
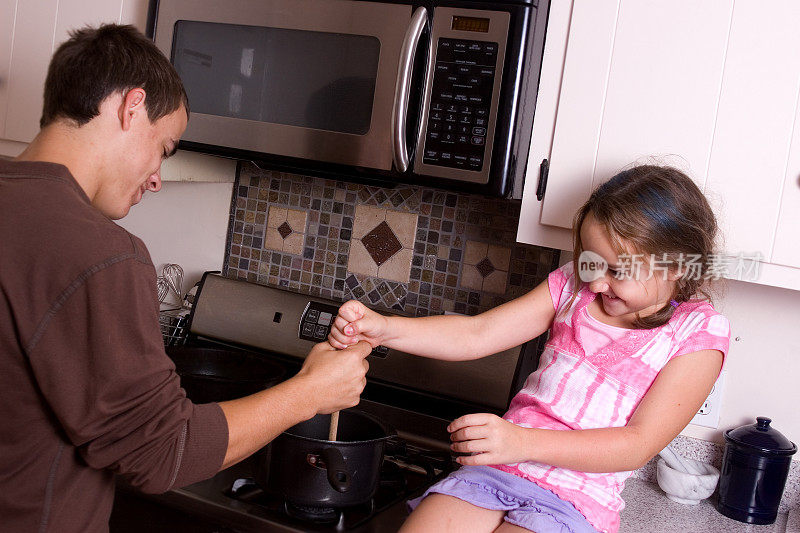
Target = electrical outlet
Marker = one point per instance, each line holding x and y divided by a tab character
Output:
708	415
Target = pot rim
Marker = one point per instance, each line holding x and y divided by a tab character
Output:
389	432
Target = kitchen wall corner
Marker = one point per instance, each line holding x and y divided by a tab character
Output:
184	223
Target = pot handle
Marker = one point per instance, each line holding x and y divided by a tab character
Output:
338	476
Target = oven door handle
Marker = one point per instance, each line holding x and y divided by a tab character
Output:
403	87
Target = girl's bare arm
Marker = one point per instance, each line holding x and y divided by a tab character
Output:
673	399
449	337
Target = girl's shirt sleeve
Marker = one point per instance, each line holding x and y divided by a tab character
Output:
560	283
703	329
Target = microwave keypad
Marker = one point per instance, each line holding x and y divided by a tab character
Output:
316	323
458	118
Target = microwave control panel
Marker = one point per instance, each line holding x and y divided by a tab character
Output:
460	101
316	322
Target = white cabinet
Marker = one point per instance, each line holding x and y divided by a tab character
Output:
709	87
30	31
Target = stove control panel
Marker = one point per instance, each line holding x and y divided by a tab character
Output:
316	323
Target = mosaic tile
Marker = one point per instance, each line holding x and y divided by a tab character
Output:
360	261
485	267
480	259
285	230
499	256
471	278
442	235
378	232
376	292
381	243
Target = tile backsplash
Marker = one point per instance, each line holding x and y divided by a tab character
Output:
409	249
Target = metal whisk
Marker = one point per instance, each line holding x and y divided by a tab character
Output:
170	280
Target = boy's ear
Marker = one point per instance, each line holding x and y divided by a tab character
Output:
132	106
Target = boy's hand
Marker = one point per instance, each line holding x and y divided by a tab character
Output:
489	439
338	377
356	322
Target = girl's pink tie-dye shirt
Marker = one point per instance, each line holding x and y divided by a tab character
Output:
592	375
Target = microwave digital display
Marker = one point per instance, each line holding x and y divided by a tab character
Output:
470	24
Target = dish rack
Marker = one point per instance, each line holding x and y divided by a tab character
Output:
173	326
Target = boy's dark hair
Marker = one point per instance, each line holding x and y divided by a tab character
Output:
98	62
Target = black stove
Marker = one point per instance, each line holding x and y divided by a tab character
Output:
406	472
415	397
232	501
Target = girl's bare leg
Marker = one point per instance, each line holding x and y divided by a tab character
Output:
439	513
505	527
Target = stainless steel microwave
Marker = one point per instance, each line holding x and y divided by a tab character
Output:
438	93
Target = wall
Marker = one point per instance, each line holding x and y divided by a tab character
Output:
185	223
763	366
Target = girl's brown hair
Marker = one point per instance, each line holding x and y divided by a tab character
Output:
661	213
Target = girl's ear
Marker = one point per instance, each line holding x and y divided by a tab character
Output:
674	274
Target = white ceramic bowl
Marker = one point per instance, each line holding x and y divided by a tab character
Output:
687	488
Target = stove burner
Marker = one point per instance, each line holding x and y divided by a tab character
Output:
318	515
406	470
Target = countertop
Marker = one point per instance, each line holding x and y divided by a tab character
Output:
648	510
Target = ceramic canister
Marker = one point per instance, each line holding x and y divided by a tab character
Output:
755	466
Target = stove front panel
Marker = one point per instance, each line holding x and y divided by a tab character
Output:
289	323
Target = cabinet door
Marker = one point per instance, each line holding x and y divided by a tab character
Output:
584	86
756	122
641	78
530	230
135	12
41	26
786	250
8	9
30	53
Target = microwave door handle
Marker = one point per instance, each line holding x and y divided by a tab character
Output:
403	87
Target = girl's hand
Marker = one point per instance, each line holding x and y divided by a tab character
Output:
490	439
356	322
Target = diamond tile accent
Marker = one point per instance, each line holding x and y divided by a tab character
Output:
485	267
285	230
381	243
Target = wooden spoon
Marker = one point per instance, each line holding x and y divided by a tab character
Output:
334	425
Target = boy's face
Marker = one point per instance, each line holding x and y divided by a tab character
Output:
138	168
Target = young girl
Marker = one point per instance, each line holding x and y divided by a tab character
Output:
632	355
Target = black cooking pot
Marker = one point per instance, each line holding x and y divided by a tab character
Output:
218	374
310	470
755	466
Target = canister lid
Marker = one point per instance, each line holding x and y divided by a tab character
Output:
761	437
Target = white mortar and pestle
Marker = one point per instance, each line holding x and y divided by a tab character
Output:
685	480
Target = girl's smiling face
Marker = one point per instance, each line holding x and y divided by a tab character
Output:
626	291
